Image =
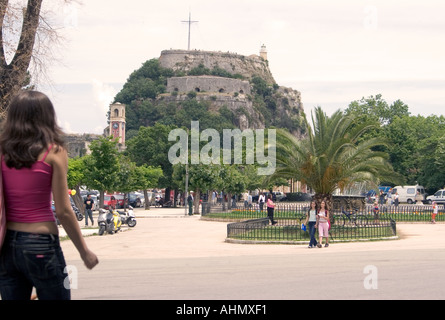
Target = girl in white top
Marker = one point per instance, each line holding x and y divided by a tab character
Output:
323	226
311	222
261	201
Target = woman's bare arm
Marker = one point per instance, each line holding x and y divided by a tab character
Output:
59	162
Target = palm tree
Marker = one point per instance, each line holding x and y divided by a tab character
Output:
333	155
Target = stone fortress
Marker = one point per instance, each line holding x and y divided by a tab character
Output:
220	91
226	91
231	62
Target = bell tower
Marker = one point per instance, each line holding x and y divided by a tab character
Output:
263	52
117	122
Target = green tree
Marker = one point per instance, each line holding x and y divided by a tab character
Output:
377	109
150	147
332	156
102	166
146	177
231	181
202	178
131	177
417	148
76	177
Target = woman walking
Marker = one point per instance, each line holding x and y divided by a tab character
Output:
311	222
323	225
270	209
34	165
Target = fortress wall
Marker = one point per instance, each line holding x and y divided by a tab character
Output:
230	62
207	84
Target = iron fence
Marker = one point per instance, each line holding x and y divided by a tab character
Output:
253	224
290	230
407	213
283	210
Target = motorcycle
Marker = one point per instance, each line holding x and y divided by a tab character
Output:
109	221
76	210
128	217
78	214
159	202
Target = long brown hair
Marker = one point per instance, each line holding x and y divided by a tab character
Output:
30	127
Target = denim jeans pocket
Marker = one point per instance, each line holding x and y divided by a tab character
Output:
3	266
43	266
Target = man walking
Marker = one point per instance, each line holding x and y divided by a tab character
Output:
190	203
89	210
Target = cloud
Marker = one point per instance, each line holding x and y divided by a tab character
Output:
66	126
103	94
332	51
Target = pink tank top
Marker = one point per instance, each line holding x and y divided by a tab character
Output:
27	192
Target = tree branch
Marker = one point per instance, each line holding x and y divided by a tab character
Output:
3	6
22	57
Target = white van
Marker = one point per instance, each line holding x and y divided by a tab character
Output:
408	193
439	197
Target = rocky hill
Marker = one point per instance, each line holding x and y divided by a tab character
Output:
227	89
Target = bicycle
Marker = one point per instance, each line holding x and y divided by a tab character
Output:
352	218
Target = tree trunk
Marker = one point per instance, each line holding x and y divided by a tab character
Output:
78	201
147	201
13	75
101	198
197	198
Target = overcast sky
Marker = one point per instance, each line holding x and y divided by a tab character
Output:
333	52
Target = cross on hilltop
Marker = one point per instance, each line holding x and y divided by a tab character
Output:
189	21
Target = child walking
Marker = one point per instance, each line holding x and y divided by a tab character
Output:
435	211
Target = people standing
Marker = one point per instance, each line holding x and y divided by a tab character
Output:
376	212
190	203
381	197
396	199
419	199
214	196
261	201
311	223
323	225
246	199
270	209
89	210
34	166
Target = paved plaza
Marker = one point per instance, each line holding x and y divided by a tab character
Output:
171	256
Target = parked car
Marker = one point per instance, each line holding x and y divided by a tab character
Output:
134	200
120	200
278	195
439	197
297	197
109	201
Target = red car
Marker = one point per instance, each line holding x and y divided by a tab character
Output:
120	200
110	201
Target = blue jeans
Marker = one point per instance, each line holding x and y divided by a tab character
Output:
311	226
30	260
89	214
